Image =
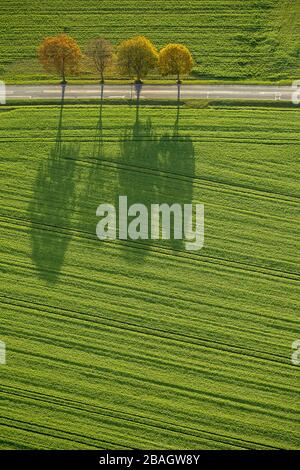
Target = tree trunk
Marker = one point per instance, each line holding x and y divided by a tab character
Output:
178	91
63	72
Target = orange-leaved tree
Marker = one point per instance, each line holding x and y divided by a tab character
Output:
60	54
175	59
136	57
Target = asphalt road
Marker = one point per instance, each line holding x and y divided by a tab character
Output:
257	92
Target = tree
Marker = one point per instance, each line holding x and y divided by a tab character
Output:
175	59
136	57
60	54
100	51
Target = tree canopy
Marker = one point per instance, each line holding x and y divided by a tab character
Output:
101	52
136	57
60	54
175	59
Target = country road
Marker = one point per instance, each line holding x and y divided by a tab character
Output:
257	92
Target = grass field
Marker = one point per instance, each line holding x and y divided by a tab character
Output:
135	345
251	40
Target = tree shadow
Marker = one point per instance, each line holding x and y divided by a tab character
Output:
51	208
138	164
177	166
155	170
96	181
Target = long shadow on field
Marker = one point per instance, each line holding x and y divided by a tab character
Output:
136	179
96	182
155	170
52	206
177	167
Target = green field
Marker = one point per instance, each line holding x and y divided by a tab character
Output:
145	345
251	40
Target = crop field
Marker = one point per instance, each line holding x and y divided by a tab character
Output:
128	344
230	39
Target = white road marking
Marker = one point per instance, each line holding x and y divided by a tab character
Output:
22	97
262	92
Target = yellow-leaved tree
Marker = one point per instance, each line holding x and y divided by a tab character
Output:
60	54
136	57
175	59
